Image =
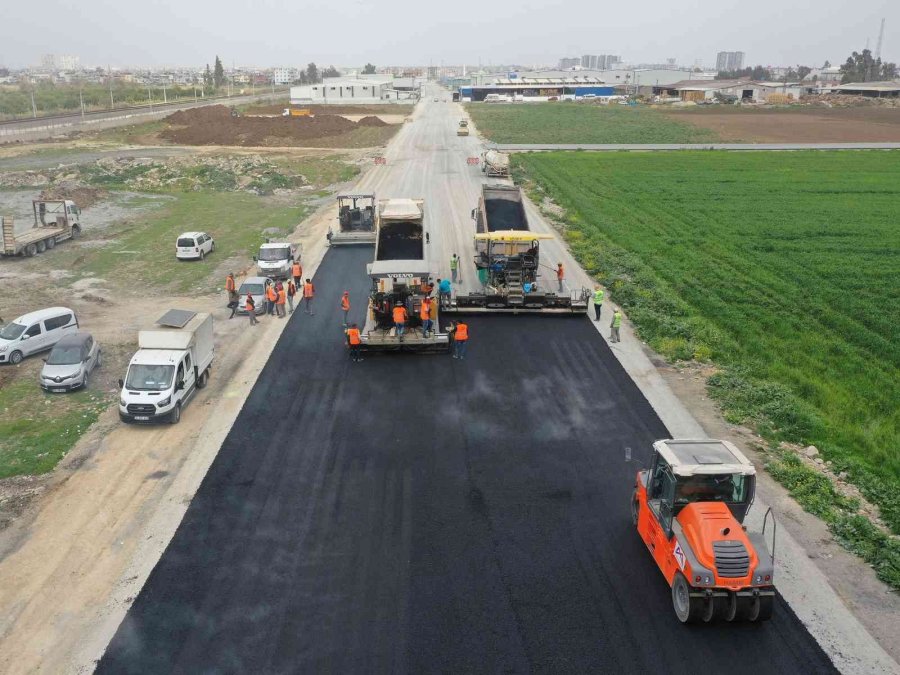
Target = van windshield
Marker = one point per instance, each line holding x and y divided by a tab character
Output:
64	355
11	331
274	254
149	378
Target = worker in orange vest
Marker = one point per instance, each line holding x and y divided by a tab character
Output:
233	299
250	306
345	305
297	273
400	319
309	292
425	315
460	333
279	302
560	276
354	342
271	297
291	292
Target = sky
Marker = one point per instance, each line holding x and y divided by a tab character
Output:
401	32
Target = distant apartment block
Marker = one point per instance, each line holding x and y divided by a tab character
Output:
729	61
60	62
600	61
284	75
567	63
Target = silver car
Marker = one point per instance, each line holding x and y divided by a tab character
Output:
255	286
71	363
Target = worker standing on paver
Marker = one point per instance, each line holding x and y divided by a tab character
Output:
345	306
250	305
425	315
560	275
309	292
454	266
399	319
614	326
598	302
233	299
271	297
297	273
354	342
460	333
291	292
279	302
444	289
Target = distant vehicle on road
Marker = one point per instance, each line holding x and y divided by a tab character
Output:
70	363
35	332
194	246
435	99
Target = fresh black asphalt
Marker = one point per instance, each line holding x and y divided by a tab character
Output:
418	514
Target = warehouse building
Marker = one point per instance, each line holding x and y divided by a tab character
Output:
351	91
889	89
527	89
736	90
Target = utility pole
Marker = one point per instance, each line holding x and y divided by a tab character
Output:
81	98
33	106
165	98
109	79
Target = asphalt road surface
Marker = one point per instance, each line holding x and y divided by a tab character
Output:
416	513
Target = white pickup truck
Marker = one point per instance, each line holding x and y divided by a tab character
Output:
172	362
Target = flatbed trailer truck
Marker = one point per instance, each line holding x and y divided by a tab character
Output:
55	220
507	258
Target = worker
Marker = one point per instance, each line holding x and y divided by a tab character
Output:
615	325
345	306
309	292
460	333
250	306
425	315
444	288
598	302
454	266
291	292
329	235
399	319
560	276
271	297
354	342
279	301
527	287
233	299
297	273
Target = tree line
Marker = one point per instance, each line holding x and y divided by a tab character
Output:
859	67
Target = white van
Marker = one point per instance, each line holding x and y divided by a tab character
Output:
194	246
35	332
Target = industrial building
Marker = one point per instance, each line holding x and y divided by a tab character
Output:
729	61
360	90
889	89
740	90
522	88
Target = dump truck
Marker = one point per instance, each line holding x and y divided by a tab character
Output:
507	258
297	112
55	220
689	508
401	276
495	164
356	220
172	362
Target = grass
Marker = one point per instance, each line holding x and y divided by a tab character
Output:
551	123
37	429
143	253
784	269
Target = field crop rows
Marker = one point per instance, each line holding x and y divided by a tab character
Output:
782	268
581	123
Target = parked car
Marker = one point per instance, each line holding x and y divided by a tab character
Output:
35	332
194	246
70	363
255	286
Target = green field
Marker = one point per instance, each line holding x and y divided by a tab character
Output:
784	268
581	123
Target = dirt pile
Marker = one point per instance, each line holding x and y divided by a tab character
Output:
375	109
848	101
371	121
215	125
83	195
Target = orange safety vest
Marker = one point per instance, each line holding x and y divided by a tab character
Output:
308	290
399	314
353	336
559	272
282	297
462	332
270	294
229	284
296	270
425	311
345	303
250	303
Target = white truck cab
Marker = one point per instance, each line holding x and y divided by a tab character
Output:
171	364
275	259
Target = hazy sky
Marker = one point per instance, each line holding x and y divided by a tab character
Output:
398	32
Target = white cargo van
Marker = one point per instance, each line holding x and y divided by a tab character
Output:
172	362
35	332
275	259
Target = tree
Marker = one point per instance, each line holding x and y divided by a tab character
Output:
208	77
755	73
803	71
827	64
218	73
312	73
862	67
369	69
331	71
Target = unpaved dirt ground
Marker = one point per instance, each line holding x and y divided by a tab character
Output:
384	109
800	125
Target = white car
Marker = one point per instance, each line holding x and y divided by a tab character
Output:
35	332
194	246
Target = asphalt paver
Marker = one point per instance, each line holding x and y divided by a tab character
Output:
416	513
